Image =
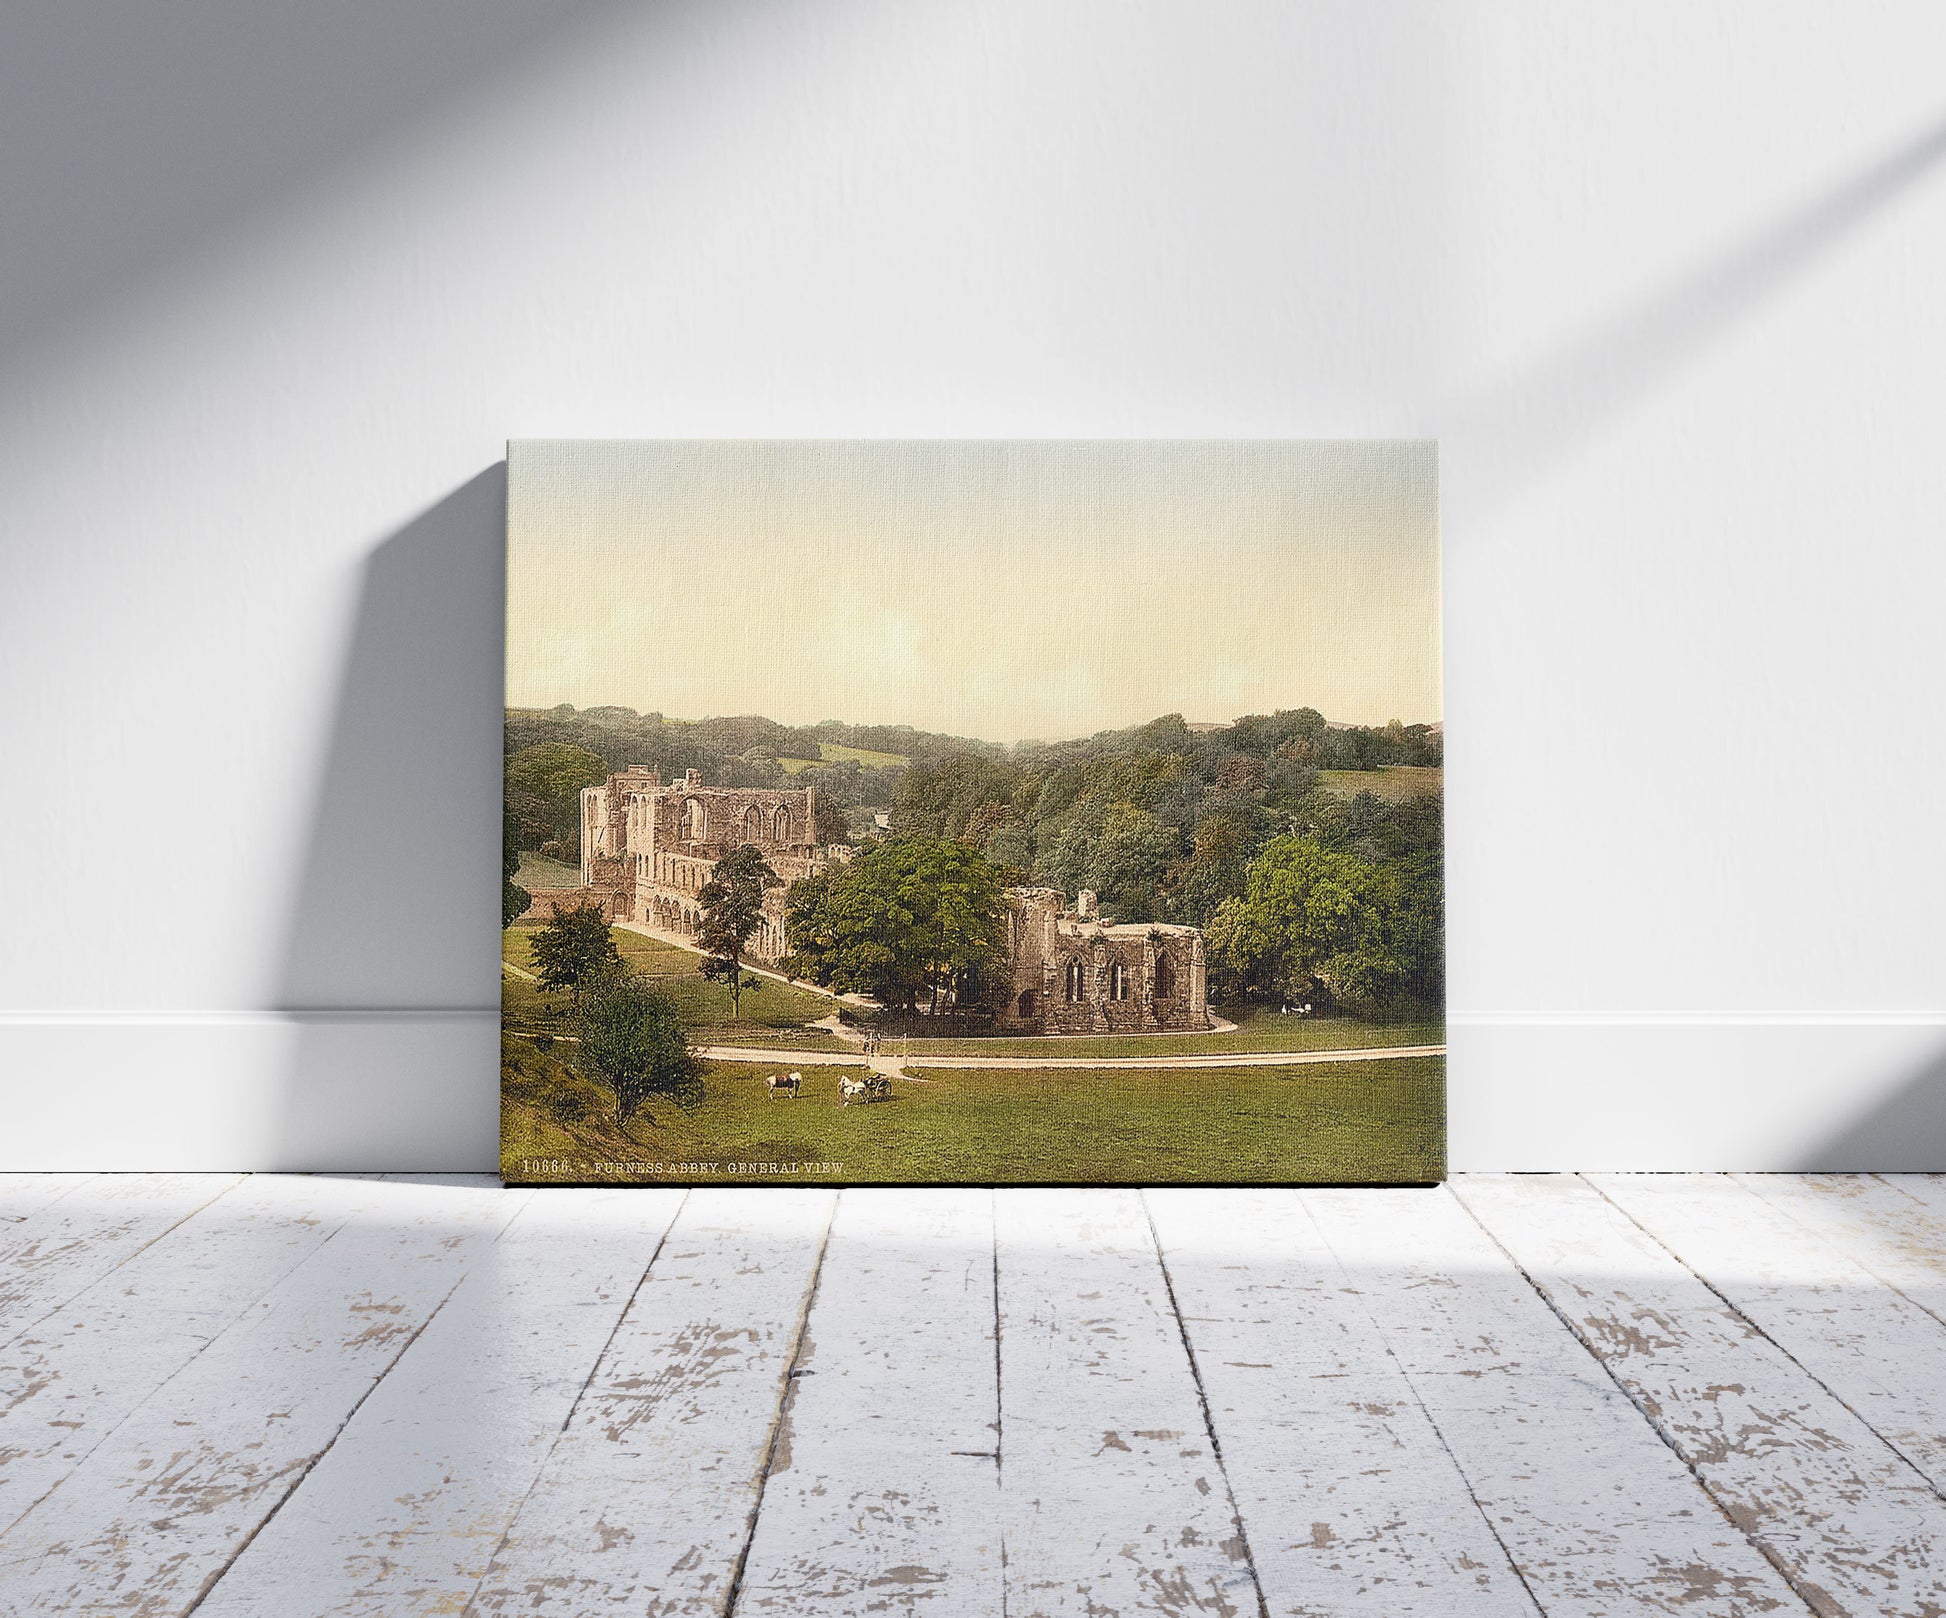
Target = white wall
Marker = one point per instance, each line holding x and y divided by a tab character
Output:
1664	278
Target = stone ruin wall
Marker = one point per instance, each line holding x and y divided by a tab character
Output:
1044	941
645	857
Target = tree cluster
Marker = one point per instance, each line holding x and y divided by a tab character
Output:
628	1035
1163	821
908	918
1368	935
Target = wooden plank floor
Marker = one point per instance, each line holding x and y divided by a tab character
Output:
1520	1395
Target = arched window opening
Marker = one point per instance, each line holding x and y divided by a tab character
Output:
1165	979
692	820
781	824
1026	1007
1077	981
753	824
1118	982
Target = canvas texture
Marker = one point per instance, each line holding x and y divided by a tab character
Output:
977	812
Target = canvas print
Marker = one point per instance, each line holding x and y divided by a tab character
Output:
973	812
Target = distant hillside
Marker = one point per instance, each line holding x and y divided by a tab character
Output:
853	764
1164	821
860	765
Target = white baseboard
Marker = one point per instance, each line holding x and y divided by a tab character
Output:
1698	1093
250	1090
415	1090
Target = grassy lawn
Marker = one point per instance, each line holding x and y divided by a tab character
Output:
1259	1028
791	766
1367	1121
537	871
772	1015
1394	782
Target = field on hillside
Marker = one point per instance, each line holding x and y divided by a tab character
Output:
1394	782
771	1015
1375	1121
538	871
1259	1028
836	752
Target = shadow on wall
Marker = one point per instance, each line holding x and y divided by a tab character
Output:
1904	1134
1510	435
135	139
391	965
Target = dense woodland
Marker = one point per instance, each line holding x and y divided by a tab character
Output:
1307	886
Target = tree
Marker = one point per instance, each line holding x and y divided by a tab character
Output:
514	899
1311	917
828	822
631	1040
732	903
1131	858
544	783
555	769
575	950
1217	867
907	916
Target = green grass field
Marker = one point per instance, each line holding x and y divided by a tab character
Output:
1366	1121
835	752
1259	1028
537	871
1394	783
771	1015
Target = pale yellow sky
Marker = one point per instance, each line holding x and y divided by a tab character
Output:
1004	590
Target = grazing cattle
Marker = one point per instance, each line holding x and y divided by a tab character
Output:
877	1087
850	1090
780	1085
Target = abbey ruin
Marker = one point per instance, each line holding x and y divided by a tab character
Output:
1069	972
648	849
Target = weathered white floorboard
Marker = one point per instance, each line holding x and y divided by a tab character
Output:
883	1494
22	1194
1113	1500
1351	1503
1894	1224
302	1397
645	1504
69	1380
157	1510
1929	1190
1875	1350
63	1247
1856	1528
403	1514
1599	1516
